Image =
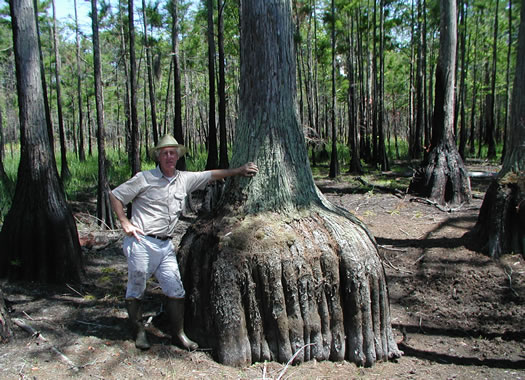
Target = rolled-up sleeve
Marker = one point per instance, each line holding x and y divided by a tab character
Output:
196	180
127	191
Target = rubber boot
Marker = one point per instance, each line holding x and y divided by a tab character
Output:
134	307
175	309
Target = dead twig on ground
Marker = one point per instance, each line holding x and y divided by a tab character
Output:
389	263
437	205
292	359
24	326
74	290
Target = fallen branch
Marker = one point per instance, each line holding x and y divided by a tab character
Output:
24	326
435	204
389	263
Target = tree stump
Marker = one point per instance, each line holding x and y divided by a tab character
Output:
500	228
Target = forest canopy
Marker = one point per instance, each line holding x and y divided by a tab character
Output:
385	56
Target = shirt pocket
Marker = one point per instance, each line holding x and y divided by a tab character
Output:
156	194
179	202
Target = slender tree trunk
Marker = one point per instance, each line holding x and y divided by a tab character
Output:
508	86
178	132
252	270
472	137
64	172
39	238
49	121
382	155
81	149
223	152
151	84
490	123
211	163
127	97
104	211
443	177
135	131
355	159
462	87
334	160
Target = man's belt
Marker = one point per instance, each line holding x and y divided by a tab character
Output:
163	238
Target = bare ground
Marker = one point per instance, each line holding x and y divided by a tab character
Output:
456	313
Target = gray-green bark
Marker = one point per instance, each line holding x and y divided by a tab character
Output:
277	270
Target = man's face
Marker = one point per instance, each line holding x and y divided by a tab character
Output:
168	158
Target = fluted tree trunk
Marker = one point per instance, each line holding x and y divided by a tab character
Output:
277	270
500	227
442	176
39	237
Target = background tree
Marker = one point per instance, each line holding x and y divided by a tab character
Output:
223	137
104	212
80	106
212	162
443	177
500	227
52	254
278	270
64	167
334	159
135	147
151	85
178	132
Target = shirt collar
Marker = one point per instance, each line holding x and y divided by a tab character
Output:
158	173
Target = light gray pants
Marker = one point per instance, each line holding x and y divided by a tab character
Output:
148	257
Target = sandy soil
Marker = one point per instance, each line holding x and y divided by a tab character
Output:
456	313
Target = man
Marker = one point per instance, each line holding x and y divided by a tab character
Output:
158	197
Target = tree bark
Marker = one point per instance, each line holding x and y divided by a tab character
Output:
6	326
443	177
277	270
104	210
500	228
212	161
64	168
355	158
334	159
490	129
223	146
81	150
39	238
151	85
135	149
178	132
